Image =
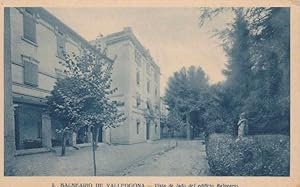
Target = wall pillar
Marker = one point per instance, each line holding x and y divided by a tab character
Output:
74	137
46	130
109	138
9	122
89	135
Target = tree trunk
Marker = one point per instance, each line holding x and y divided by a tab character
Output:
63	144
188	128
97	136
94	158
94	132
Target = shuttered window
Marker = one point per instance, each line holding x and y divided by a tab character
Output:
61	45
138	58
29	27
138	78
30	73
148	86
138	126
138	101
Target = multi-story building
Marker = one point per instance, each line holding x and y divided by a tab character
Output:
137	78
34	45
36	41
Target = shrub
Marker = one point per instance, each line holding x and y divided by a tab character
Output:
259	155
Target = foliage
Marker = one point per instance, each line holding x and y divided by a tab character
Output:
174	123
250	156
187	96
83	97
150	114
257	47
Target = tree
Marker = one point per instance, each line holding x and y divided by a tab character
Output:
64	105
257	47
271	67
187	93
83	98
238	69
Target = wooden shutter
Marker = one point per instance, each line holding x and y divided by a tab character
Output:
29	27
60	46
148	86
138	126
138	78
30	73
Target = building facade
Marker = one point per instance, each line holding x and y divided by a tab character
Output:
137	78
37	41
34	45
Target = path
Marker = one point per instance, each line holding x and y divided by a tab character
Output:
155	158
187	159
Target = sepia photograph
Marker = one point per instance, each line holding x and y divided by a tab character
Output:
147	91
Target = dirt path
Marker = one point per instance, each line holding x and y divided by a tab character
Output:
187	159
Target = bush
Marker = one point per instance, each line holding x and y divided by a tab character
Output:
259	155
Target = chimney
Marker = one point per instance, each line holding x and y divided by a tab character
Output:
127	29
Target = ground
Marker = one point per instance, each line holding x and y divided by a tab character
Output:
158	158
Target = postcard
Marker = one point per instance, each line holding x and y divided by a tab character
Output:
150	93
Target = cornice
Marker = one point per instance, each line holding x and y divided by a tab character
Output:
41	13
127	34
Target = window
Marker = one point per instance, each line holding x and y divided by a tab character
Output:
138	126
138	78
148	104
118	103
61	45
138	101
157	108
30	73
60	74
148	69
29	26
156	128
156	92
138	58
148	86
156	77
39	126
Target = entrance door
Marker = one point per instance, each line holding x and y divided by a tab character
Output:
147	130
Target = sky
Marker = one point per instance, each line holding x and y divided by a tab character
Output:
172	35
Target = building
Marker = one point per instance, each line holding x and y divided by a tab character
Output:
34	45
35	41
137	78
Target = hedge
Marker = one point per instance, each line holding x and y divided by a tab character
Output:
259	155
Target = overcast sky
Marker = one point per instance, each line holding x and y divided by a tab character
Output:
171	34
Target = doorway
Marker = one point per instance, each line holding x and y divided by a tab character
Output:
147	130
100	135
